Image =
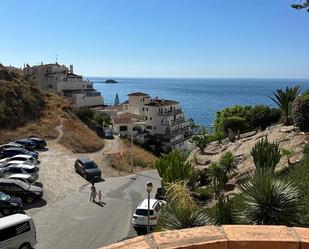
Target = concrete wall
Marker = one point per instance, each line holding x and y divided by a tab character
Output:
225	237
80	100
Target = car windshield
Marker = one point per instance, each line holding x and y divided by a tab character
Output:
143	212
24	185
33	170
4	197
90	165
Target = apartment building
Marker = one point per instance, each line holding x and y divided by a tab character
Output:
163	120
61	79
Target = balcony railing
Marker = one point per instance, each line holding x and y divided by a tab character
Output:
178	131
177	121
168	113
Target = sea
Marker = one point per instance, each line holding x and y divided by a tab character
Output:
200	99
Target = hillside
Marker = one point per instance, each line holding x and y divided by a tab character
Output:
287	137
25	110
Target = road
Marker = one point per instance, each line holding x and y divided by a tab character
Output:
76	223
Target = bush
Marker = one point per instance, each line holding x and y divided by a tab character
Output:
101	117
300	112
235	124
84	113
275	115
259	117
234	111
203	194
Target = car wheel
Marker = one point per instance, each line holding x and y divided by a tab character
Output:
25	246
76	170
30	199
6	211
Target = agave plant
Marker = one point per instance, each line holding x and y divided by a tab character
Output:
283	100
269	200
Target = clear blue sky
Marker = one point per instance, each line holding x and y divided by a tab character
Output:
159	38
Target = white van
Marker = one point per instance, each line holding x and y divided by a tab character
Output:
17	231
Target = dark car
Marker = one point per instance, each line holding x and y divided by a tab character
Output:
10	204
108	134
10	145
40	142
160	194
26	192
27	143
87	168
9	152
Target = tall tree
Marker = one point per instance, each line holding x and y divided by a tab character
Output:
284	100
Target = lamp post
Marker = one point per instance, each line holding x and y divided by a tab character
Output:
148	187
131	154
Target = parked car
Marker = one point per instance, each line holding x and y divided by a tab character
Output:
10	204
26	159
27	143
160	194
140	216
40	142
108	134
27	178
10	145
27	192
9	152
87	168
20	169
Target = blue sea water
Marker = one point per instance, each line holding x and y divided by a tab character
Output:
200	98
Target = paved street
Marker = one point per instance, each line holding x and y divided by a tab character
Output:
76	223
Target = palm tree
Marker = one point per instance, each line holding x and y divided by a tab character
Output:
227	161
219	178
284	99
200	141
269	200
175	167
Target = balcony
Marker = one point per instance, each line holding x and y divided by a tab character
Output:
177	121
169	113
178	131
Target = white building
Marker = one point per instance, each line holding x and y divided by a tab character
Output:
163	120
61	79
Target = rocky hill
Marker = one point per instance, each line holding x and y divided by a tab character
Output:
288	138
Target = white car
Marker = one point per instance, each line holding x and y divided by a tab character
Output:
27	178
20	169
140	216
27	159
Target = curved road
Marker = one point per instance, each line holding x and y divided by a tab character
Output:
76	223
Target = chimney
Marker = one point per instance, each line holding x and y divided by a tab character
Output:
71	69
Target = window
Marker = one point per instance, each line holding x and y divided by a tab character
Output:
149	127
123	128
15	230
49	86
146	118
143	212
154	127
150	118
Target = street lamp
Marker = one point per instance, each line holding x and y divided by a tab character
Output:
148	187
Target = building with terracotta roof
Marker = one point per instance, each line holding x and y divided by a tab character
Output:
163	120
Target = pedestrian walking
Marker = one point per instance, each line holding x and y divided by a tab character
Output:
93	192
100	195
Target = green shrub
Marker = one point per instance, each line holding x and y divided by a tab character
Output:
259	117
300	112
204	193
234	111
275	115
265	154
84	113
235	124
101	117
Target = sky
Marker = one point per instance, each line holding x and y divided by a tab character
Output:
159	38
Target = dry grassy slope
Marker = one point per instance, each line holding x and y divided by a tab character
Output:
287	138
26	111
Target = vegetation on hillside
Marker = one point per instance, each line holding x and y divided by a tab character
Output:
25	111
